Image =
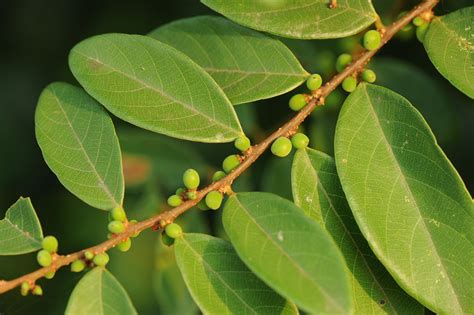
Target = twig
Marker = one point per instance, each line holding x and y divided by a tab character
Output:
160	220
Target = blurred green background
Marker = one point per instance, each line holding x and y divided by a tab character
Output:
36	37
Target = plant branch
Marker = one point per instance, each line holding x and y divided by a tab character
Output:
223	185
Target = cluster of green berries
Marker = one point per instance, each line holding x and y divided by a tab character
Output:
118	224
350	83
171	232
26	288
282	146
45	255
89	259
421	27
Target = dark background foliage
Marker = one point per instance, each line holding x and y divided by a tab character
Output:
36	37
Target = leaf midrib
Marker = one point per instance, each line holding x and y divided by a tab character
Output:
86	155
408	188
306	275
361	254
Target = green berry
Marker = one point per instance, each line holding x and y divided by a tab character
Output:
166	240
191	179
191	195
88	255
342	61
116	227
50	275
218	176
214	200
78	265
173	230
372	40
37	290
369	76
44	258
174	201
134	222
281	147
50	244
101	259
349	84
314	82
300	141
297	102
242	143
230	163
418	21
202	205
180	191
421	31
25	288
118	214
125	245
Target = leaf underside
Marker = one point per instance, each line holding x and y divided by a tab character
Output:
407	198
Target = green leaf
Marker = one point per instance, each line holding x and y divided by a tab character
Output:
288	251
303	19
247	65
20	230
449	43
98	292
154	86
219	281
407	198
317	190
78	141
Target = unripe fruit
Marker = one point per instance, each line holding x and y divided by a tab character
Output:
180	191
118	214
173	230
369	76
78	265
125	245
372	40
50	244
134	222
44	258
101	259
281	147
214	200
242	143
418	21
202	205
230	162
191	195
116	227
349	84
218	176
297	102
174	201
25	288
300	141
314	82
37	290
191	179
342	61
166	240
421	31
88	255
50	275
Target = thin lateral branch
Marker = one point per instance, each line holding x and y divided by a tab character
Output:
166	217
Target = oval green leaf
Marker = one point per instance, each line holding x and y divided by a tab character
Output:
449	43
407	198
78	141
247	65
154	86
219	281
98	292
288	251
20	230
302	19
318	192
